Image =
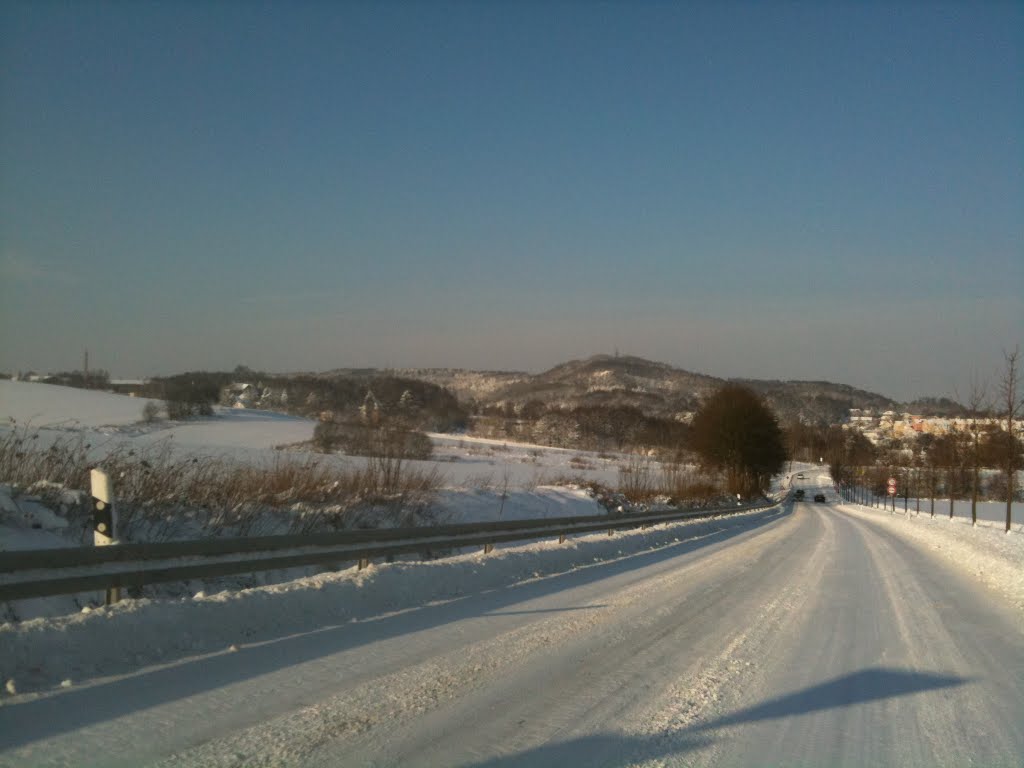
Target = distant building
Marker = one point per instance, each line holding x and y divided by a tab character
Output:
239	395
130	387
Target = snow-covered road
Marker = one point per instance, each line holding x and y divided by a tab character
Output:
806	636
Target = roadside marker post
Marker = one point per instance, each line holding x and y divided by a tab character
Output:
104	520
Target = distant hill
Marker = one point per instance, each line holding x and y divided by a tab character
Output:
817	402
656	388
467	386
610	380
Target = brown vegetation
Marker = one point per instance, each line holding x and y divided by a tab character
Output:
218	494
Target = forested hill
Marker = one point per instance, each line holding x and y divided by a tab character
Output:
655	388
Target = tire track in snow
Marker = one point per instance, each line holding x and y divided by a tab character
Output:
594	682
374	709
966	721
893	661
717	686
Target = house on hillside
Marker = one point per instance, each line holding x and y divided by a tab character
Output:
130	387
239	395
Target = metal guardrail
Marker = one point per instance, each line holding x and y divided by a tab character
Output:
43	573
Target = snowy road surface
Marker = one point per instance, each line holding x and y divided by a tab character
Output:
809	637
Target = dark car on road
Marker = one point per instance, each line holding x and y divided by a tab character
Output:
819	497
799	494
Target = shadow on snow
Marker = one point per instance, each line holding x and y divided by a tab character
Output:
608	750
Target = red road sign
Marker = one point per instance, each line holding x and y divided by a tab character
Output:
891	482
892	490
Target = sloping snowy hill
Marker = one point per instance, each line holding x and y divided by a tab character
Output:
50	405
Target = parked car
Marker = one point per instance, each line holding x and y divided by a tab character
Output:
819	497
799	495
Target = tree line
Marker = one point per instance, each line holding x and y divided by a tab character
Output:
194	393
584	427
733	433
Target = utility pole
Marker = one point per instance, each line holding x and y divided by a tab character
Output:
85	368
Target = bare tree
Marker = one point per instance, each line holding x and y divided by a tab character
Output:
976	403
1012	404
945	452
928	458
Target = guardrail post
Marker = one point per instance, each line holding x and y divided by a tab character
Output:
104	520
561	538
488	548
364	562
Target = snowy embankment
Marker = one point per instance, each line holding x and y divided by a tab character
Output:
985	552
44	653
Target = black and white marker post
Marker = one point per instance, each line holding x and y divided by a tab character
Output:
104	519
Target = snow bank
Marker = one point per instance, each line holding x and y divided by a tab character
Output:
986	552
991	511
41	653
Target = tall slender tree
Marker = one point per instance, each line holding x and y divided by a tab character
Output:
1012	405
975	405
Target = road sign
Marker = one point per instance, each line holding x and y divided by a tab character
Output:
891	482
892	490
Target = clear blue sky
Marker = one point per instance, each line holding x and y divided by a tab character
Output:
771	190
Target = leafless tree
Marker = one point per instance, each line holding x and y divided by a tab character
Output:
1012	404
976	405
946	452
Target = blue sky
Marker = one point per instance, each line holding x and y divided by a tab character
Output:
770	190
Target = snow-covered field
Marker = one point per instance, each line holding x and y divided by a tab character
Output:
47	405
106	419
481	480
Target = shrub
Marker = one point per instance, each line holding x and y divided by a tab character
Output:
150	411
217	493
